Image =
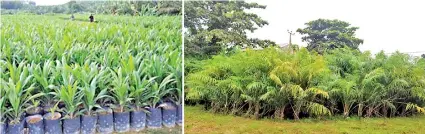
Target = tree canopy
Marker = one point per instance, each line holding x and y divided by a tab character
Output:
215	26
324	34
11	4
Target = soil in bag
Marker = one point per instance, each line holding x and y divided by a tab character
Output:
154	118
105	121
169	115
34	111
122	121
52	124
72	125
88	124
47	109
137	120
35	124
16	127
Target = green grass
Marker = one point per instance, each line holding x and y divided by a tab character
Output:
199	121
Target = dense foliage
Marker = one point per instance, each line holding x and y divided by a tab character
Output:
79	66
323	35
129	7
277	83
219	26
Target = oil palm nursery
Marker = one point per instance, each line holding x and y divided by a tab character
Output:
121	74
281	84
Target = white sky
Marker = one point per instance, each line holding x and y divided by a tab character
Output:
50	2
388	25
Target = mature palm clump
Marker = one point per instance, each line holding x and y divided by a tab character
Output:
277	83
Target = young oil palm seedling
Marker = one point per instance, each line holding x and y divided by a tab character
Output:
18	91
157	92
122	100
69	94
139	91
34	118
139	84
71	97
3	112
156	68
52	120
3	108
89	76
176	68
46	76
34	108
178	98
103	111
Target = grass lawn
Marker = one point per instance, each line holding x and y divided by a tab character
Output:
199	121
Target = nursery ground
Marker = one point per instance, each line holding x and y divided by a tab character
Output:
175	130
199	121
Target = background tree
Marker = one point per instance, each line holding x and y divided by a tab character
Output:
32	3
323	34
11	4
215	26
73	7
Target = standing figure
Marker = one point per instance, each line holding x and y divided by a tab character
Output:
72	17
91	18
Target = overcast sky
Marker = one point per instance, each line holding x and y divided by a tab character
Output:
388	25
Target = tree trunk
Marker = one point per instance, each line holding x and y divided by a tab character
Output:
276	113
385	110
214	107
279	113
296	115
282	113
403	111
257	110
369	111
346	110
360	110
249	109
297	111
234	108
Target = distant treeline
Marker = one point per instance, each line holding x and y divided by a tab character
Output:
96	7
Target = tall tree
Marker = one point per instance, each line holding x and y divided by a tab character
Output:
323	34
73	7
214	26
